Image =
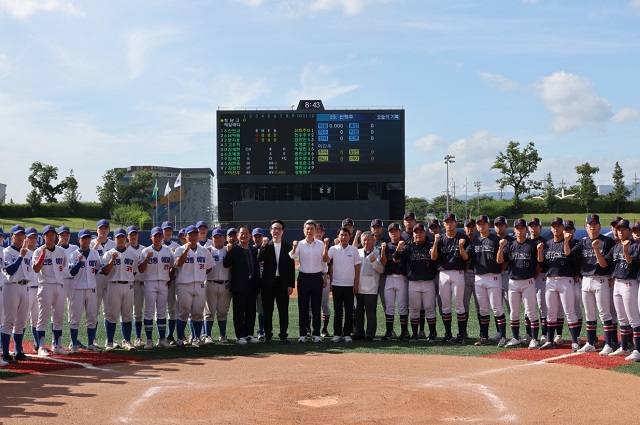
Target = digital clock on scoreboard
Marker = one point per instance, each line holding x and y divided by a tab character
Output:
295	145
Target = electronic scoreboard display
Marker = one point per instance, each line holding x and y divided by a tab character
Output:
310	143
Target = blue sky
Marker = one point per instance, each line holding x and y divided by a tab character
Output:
92	85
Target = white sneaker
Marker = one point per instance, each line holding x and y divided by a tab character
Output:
606	350
558	340
525	340
74	349
513	343
43	352
94	348
620	352
148	345
139	343
197	342
128	346
3	363
61	351
222	339
180	342
108	346
502	342
635	356
543	339
208	340
575	347
316	339
348	339
495	337
163	343
534	344
336	338
241	341
252	339
302	339
547	345
587	348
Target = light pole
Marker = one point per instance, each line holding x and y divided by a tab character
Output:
448	159
477	185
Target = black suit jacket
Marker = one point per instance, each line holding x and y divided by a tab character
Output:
236	260
286	266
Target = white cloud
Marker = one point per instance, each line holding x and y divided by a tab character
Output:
430	143
350	7
295	8
141	43
498	82
317	83
530	1
572	101
626	114
634	3
23	9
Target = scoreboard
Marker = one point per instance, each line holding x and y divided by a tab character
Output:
310	144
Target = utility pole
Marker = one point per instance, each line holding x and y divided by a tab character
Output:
635	182
466	199
477	185
447	160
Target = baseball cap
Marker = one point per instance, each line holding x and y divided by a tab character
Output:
484	218
623	223
217	232
232	230
119	232
319	226
48	228
449	216
181	231
393	226
636	225
616	220
31	231
132	229
1	232
409	216
156	230
347	221
376	222
84	233
469	222
63	229
419	226
520	222
557	220
257	231
534	220
593	217
167	225
500	220
569	224
434	222
191	229
103	222
17	229
201	223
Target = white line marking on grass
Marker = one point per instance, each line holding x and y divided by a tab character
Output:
71	362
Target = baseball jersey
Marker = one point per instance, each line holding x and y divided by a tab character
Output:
618	265
449	252
2	276
522	259
556	263
159	264
482	252
54	269
407	237
104	247
369	272
124	267
344	262
139	276
195	266
417	258
17	268
219	272
392	267
583	251
84	272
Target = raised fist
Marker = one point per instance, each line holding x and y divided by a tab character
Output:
149	255
80	257
400	245
265	241
326	241
595	243
436	237
461	243
295	244
383	247
503	243
540	246
372	258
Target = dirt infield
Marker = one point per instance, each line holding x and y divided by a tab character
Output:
323	388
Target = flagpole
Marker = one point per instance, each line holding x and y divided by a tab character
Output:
156	196
180	197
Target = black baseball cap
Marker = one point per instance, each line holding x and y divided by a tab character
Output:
392	226
557	220
636	225
520	222
376	222
534	220
616	220
469	222
623	223
346	222
484	218
419	226
500	220
593	217
409	216
449	216
569	224
434	222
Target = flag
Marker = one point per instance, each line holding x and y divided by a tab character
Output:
178	180
167	190
155	190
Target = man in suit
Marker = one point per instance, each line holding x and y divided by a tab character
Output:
242	259
278	280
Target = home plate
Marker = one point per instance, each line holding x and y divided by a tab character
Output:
319	402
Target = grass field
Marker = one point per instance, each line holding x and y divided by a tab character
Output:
579	219
74	223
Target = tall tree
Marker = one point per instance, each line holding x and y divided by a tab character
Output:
549	194
42	177
587	191
116	191
418	206
516	166
620	193
34	200
71	194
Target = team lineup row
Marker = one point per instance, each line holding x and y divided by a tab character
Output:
417	268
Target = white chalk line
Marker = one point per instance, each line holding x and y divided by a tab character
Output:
71	362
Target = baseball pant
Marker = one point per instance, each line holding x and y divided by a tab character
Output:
138	301
101	293
15	302
51	299
382	283
244	313
469	291
422	293
625	296
83	299
595	297
452	288
172	300
191	301
396	291
343	298
541	290
217	300
275	293
519	290
488	289
577	293
32	314
560	293
119	302
612	307
1	307
367	304
505	289
68	294
155	300
309	291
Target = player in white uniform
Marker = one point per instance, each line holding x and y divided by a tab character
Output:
84	264
32	315
102	244
17	265
138	287
194	262
167	234
218	294
64	236
120	266
2	362
156	262
50	266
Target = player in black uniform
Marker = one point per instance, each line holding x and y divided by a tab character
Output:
396	286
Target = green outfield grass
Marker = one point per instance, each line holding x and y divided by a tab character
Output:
74	223
579	219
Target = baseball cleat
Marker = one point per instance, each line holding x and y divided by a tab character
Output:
635	356
21	356
543	339
587	348
546	346
128	346
208	340
459	340
606	350
422	335
61	351
316	338
252	339
525	340
620	352
241	341
336	338
502	343
513	343
447	338
197	343
139	343
148	345
3	363
94	348
482	342
495	337
386	337
43	352
75	349
347	338
302	339
171	340
222	339
432	338
163	343
8	359
414	338
575	347
534	344
558	340
179	342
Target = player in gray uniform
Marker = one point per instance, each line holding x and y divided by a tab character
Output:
569	232
434	228
534	228
102	244
217	290
138	287
469	273
397	287
2	278
167	234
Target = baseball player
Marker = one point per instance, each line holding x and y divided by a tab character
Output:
449	251
120	266
232	236
326	291
595	283
378	239
421	271
635	231
612	308
64	236
500	227
560	288
138	287
569	232
409	221
535	228
15	300
156	263
194	262
218	293
2	278
469	273
522	258
50	268
102	244
32	243
488	281
167	234
396	287
85	264
434	229
624	260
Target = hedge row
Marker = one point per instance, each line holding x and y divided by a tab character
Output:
561	206
60	209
